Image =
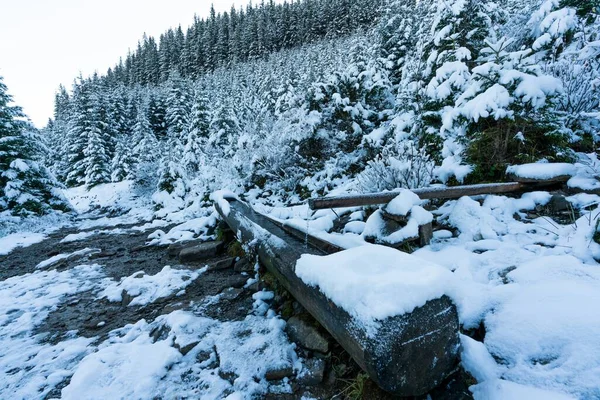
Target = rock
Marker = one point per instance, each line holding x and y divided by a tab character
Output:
231	293
200	252
401	219
306	335
313	372
126	298
186	348
160	333
169	308
206	357
221	264
425	234
137	248
103	254
174	249
228	376
558	204
257	286
244	264
237	281
278	373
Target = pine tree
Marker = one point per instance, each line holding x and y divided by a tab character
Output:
197	132
25	186
178	108
80	124
97	155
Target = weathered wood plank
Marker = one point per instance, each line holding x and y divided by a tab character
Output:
424	193
313	241
411	354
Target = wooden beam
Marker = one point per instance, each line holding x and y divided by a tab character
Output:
453	192
411	354
323	245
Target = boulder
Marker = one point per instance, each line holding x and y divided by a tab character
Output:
231	293
200	252
313	372
558	204
306	335
244	264
237	281
280	372
220	265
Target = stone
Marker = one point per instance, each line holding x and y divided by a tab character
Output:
186	348
103	254
306	335
237	281
231	293
313	372
425	234
278	373
206	358
138	248
244	264
200	252
558	204
126	298
221	264
401	219
160	333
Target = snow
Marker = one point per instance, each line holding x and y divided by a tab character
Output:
221	197
37	367
402	204
76	237
146	289
533	284
500	389
132	365
60	257
375	282
22	239
357	227
542	170
84	199
195	228
130	368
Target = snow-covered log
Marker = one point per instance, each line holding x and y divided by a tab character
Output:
409	354
453	192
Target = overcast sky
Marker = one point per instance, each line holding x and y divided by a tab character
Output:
44	43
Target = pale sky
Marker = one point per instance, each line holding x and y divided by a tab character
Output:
44	43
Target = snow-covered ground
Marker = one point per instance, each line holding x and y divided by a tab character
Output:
532	282
193	358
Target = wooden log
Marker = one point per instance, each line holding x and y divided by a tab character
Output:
554	179
453	192
323	245
411	354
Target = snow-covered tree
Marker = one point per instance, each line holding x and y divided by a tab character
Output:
197	132
26	187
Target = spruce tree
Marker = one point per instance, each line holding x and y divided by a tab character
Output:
197	132
26	187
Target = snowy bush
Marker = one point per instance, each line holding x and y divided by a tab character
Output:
400	166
